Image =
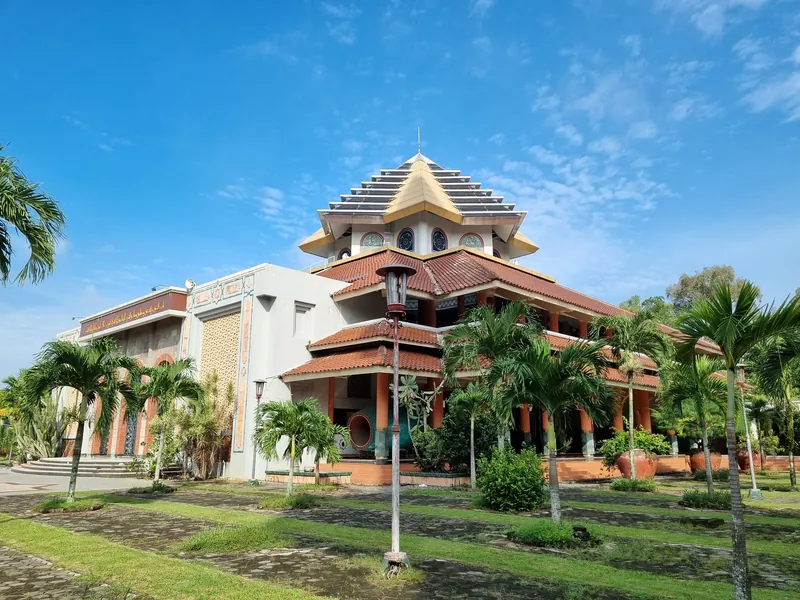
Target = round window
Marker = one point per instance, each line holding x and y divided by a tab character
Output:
372	240
438	241
405	241
472	240
345	253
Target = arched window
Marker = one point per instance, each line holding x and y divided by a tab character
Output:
471	240
405	241
438	240
344	253
372	240
496	253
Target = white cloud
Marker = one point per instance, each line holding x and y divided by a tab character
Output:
545	99
609	146
497	139
643	130
341	11
545	156
633	43
751	53
617	95
711	17
479	8
693	107
767	84
483	44
681	76
569	132
353	146
341	27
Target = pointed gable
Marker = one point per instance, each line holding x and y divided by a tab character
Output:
421	192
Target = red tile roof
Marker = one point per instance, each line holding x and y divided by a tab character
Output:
650	381
408	334
361	272
370	357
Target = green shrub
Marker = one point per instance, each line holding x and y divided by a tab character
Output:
511	481
157	487
295	501
652	443
699	499
428	445
310	488
720	475
447	446
624	484
59	505
545	533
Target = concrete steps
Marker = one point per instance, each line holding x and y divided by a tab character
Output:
88	467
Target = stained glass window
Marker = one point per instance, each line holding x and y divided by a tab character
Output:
405	241
344	253
472	240
496	254
438	240
372	240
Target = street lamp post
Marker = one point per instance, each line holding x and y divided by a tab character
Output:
755	493
396	276
259	391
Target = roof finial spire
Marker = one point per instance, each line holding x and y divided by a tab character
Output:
419	141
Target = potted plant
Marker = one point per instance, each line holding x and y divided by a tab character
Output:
743	458
647	447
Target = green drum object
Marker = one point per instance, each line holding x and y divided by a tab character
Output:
363	428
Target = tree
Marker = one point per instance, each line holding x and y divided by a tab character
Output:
736	324
473	399
695	387
324	443
166	383
657	306
691	288
777	367
568	380
301	422
631	336
481	338
93	371
32	213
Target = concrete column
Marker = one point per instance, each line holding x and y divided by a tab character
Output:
438	407
525	422
462	307
618	423
545	433
382	419
587	434
331	396
673	440
583	329
554	321
641	400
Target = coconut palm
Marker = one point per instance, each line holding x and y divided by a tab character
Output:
697	388
166	383
559	383
33	214
93	371
322	440
629	337
777	366
480	339
473	399
736	326
300	422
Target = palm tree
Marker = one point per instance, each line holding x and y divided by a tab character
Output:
777	366
483	337
324	443
298	421
629	337
736	326
473	399
166	383
558	383
35	216
695	387
93	372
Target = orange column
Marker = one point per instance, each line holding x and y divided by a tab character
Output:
95	447
554	322
428	316
641	402
586	423
525	422
121	430
438	406
583	329
331	396
546	433
151	414
462	307
619	424
382	419
587	434
481	297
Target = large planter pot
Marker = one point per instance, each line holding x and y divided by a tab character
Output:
646	464
697	461
743	460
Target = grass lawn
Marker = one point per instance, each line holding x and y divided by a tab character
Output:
59	505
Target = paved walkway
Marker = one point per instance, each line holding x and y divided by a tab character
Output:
23	483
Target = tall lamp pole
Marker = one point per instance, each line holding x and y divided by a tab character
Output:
396	276
259	391
754	491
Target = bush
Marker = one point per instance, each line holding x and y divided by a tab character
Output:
544	533
720	475
624	484
157	487
652	443
59	505
447	446
700	499
428	445
295	501
511	481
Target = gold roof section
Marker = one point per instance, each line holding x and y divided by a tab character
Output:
421	192
518	240
318	239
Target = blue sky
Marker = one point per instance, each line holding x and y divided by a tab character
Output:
190	139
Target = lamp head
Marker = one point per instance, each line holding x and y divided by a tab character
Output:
189	284
259	387
396	276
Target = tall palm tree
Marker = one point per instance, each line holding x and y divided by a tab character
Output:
736	326
777	366
483	337
93	371
630	336
695	387
301	422
325	445
558	383
473	399
166	383
35	216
